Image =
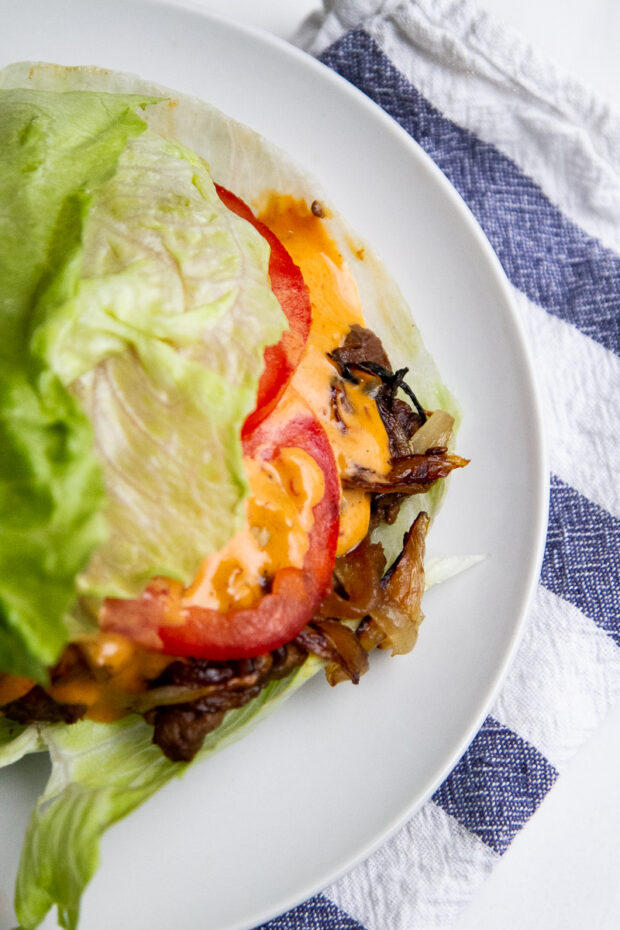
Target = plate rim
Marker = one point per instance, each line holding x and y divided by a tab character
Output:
540	491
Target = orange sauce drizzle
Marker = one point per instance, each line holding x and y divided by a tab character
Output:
357	434
283	492
279	510
115	670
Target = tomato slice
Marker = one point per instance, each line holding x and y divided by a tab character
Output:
159	619
290	289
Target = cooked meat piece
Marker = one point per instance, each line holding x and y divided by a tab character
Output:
181	725
180	731
38	707
361	345
285	659
201	673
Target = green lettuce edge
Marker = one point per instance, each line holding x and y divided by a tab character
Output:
100	773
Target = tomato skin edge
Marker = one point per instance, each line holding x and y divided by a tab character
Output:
296	592
286	605
159	619
289	287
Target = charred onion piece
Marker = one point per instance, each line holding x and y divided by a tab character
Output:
399	614
338	645
409	474
392	600
369	634
401	422
394	380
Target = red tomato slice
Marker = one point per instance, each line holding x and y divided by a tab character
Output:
290	289
160	620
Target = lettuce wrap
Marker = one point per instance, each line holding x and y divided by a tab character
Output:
135	310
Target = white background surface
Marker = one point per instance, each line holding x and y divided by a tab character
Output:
563	871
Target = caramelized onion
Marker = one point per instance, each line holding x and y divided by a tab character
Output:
399	612
369	634
409	474
435	433
392	601
352	660
339	646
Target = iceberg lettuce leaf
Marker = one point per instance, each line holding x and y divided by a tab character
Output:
163	345
134	312
52	154
17	741
101	772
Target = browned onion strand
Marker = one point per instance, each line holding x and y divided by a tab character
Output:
409	474
359	571
369	634
391	600
350	655
403	587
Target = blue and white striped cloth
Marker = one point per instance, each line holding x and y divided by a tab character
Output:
536	157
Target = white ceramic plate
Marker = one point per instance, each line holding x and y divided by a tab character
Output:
279	815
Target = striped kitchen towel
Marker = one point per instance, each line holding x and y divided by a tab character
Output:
536	157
